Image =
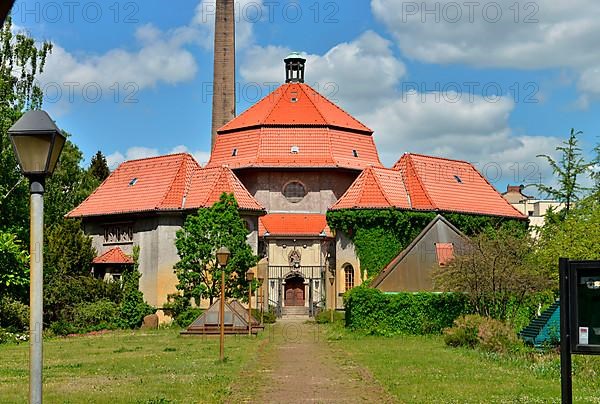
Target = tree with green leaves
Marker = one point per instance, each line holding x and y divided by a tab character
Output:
14	270
99	167
495	271
568	169
197	242
21	61
133	308
576	237
69	185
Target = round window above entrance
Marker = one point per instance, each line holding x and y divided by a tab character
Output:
294	191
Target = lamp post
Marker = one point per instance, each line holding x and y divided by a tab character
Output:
222	259
332	283
37	142
250	278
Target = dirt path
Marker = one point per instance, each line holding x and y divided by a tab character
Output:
299	367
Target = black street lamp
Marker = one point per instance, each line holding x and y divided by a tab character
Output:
223	255
37	142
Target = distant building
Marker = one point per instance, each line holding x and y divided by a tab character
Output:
535	209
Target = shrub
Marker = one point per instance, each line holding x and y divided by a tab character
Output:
133	308
62	327
14	315
485	333
497	336
9	337
186	317
269	316
464	332
374	312
95	316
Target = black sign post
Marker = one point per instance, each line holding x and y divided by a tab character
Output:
579	316
566	381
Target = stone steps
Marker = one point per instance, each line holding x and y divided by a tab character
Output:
295	311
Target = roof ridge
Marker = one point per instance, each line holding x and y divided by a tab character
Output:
381	188
338	107
276	101
437	157
170	187
418	178
162	156
251	108
314	104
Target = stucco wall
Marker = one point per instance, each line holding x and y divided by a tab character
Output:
158	253
324	188
345	254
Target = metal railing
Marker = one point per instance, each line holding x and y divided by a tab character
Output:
307	272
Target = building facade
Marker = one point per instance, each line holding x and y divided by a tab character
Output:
288	159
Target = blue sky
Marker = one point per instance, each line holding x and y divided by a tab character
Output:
495	84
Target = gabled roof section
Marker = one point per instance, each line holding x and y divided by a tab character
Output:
294	224
209	184
165	183
294	104
156	183
451	186
375	188
394	262
113	256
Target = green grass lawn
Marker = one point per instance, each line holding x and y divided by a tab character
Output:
128	367
417	369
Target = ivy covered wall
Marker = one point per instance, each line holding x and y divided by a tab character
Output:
380	234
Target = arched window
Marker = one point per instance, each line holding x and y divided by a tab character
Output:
349	276
294	191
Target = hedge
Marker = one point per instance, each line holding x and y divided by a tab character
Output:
380	234
371	311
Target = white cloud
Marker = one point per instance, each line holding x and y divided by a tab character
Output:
504	33
368	76
160	57
139	152
354	74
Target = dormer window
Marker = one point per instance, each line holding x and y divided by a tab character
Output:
354	153
457	178
133	182
234	152
295	150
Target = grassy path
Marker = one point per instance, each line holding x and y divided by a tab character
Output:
297	367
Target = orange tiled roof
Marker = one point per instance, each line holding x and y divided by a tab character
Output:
294	104
451	186
172	182
427	183
293	224
310	132
294	147
208	184
375	188
113	256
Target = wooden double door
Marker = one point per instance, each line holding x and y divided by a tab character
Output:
294	292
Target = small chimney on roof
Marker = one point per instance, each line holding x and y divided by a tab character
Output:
294	68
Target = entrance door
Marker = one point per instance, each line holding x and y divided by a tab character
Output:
294	292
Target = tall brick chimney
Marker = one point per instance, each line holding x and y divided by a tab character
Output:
223	108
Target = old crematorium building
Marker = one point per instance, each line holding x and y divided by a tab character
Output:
288	159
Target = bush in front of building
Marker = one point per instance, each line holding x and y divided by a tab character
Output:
487	334
371	311
324	317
